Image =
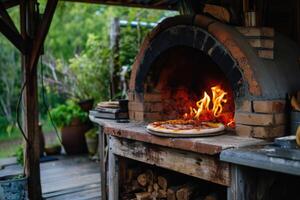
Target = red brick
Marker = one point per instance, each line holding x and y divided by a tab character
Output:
244	106
244	130
267	54
131	115
136	106
256	31
279	119
268	132
152	97
226	38
254	119
261	43
152	116
139	116
259	119
277	106
139	97
130	95
203	21
153	107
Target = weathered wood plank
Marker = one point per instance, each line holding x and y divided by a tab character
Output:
12	36
71	190
201	166
113	173
70	182
41	33
101	149
205	145
79	195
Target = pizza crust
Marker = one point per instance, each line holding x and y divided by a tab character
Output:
219	127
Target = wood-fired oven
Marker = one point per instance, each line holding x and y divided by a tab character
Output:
187	55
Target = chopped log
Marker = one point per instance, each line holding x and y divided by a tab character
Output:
211	197
162	182
162	194
155	187
133	187
185	192
154	195
142	179
150	188
143	196
146	178
150	177
132	173
171	192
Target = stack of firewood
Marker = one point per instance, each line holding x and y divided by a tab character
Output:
148	185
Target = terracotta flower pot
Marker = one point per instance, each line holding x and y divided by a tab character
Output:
73	138
86	105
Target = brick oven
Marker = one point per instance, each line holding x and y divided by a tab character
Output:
184	59
186	55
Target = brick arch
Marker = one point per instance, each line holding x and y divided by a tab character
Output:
204	34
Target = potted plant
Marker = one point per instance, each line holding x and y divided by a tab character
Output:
91	139
73	122
53	149
14	187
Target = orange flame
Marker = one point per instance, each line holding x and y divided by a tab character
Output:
207	112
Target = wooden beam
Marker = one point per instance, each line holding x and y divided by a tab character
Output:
157	5
113	173
30	102
11	3
4	14
101	150
12	36
42	31
205	167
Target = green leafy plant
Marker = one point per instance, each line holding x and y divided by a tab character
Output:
64	114
20	155
92	134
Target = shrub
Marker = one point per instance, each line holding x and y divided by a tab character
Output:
20	155
63	114
3	124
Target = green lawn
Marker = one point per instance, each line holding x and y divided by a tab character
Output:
9	151
16	133
10	142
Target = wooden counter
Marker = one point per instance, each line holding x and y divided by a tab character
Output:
205	145
197	157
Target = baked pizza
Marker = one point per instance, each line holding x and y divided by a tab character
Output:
182	126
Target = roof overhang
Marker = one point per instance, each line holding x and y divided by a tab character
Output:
155	4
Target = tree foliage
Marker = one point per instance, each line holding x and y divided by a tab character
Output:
76	56
79	41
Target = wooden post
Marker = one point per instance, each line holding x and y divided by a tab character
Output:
113	173
101	149
34	34
114	61
30	102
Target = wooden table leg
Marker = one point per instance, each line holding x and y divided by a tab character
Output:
235	191
113	174
101	149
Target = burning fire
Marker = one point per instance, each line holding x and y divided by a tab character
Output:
211	108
